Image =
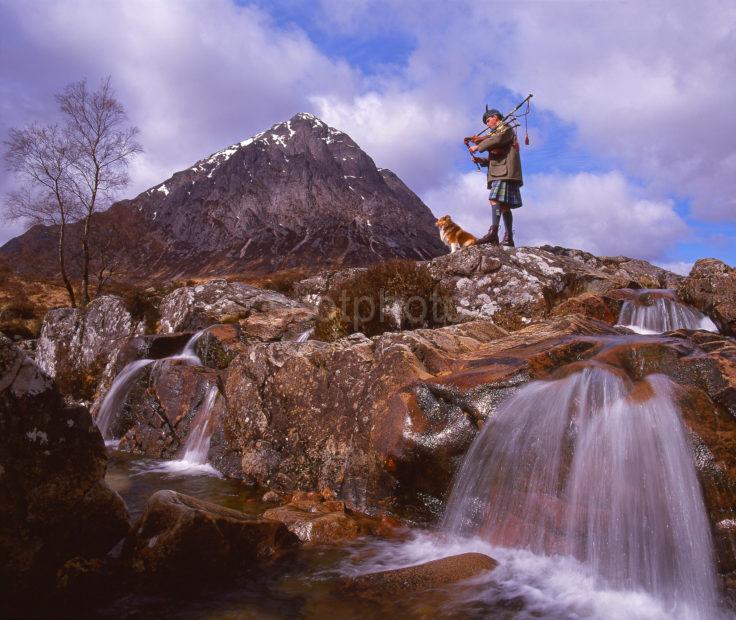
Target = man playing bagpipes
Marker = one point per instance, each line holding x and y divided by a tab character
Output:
504	170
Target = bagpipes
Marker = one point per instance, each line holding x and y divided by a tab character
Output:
511	120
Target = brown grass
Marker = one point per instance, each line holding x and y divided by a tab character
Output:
360	304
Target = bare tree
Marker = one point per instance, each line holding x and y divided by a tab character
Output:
101	147
42	158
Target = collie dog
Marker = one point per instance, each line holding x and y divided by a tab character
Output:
452	235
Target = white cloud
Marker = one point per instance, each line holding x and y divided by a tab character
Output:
681	267
601	213
194	76
648	86
399	130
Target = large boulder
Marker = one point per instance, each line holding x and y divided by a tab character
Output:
54	502
183	542
265	314
321	415
711	288
76	345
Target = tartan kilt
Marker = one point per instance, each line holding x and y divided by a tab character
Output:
506	192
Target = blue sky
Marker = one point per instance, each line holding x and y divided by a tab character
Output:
616	164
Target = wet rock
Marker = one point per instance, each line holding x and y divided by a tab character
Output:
54	502
602	306
157	416
271	497
441	415
76	345
139	347
420	577
85	583
711	288
180	541
192	308
219	344
316	520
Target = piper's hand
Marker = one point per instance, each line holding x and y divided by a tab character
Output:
473	149
477	139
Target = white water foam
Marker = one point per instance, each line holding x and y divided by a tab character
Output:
175	468
116	395
543	586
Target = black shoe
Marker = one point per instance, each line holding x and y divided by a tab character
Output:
508	239
490	237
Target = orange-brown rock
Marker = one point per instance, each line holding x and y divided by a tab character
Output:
320	521
421	577
602	306
313	414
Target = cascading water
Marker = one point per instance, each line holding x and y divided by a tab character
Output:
596	467
125	380
655	311
116	395
198	441
189	353
306	335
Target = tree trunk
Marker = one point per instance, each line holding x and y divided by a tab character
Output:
85	262
62	266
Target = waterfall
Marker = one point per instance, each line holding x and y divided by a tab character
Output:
655	311
116	396
125	380
198	441
189	354
306	335
596	467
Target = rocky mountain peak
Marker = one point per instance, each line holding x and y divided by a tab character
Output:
299	194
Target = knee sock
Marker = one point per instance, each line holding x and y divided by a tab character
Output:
496	215
508	220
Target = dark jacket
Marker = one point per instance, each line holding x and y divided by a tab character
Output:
504	163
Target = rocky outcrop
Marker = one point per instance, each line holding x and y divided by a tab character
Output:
263	314
76	345
316	415
711	288
182	542
516	286
54	502
158	413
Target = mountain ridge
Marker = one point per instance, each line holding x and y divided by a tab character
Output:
300	194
